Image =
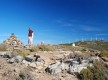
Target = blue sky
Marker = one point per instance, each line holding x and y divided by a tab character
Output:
54	21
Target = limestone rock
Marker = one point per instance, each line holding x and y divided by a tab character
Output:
25	62
105	59
33	64
17	59
29	58
7	55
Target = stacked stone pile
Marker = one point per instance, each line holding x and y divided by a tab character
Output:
13	42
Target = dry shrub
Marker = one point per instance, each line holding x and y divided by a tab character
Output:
35	48
43	48
25	75
104	53
3	47
67	48
23	52
98	71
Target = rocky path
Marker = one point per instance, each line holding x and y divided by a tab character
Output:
18	71
12	72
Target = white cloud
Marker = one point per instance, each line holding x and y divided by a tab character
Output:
64	23
102	34
78	26
90	28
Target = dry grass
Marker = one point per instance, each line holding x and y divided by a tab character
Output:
22	52
42	48
104	53
67	48
25	75
3	47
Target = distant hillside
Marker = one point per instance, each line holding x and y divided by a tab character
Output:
97	44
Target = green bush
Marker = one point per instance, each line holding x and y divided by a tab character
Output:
86	74
98	72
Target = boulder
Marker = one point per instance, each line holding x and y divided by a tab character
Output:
29	58
18	59
55	71
2	54
7	55
12	60
39	65
26	62
33	65
64	66
55	68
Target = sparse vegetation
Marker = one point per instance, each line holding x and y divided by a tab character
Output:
86	74
35	48
43	48
23	52
100	45
104	53
24	75
67	48
96	44
3	47
98	72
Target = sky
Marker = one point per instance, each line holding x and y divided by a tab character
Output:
54	21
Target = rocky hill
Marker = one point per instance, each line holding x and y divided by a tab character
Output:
56	62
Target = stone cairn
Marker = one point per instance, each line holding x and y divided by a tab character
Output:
13	42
